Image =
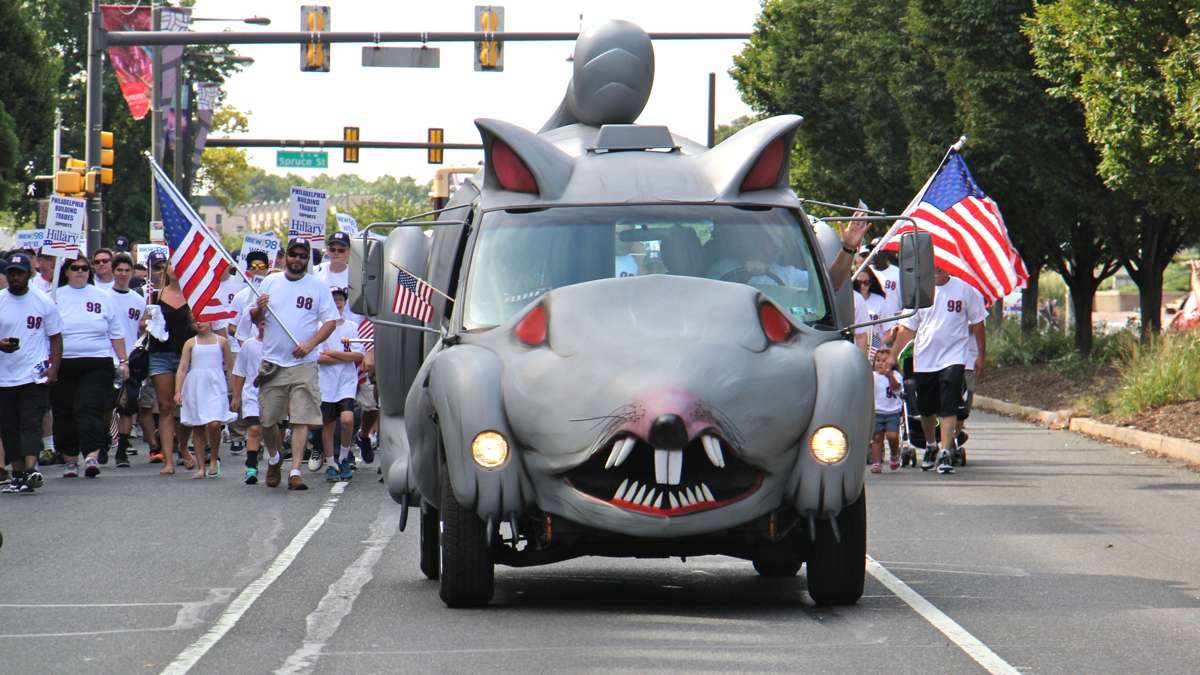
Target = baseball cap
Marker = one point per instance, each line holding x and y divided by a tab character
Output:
121	243
864	250
156	258
342	238
18	261
298	241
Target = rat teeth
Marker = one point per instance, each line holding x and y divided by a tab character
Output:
712	448
707	493
620	490
620	452
668	466
649	499
671	498
637	498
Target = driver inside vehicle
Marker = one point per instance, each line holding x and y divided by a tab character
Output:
747	254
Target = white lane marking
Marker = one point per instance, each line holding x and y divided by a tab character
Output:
983	655
324	621
190	615
229	618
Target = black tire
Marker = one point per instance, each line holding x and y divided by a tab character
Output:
467	572
430	546
774	568
837	571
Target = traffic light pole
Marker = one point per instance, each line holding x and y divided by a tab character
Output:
156	117
95	120
164	38
340	143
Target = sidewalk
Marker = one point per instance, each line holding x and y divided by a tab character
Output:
1153	444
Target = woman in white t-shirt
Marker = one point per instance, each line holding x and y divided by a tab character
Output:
82	399
869	305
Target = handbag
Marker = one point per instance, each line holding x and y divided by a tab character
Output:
138	361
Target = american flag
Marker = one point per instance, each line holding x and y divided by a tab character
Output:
412	297
197	256
970	240
366	331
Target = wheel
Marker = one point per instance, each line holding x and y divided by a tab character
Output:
429	541
837	570
775	568
467	572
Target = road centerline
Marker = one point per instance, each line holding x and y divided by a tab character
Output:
246	599
971	645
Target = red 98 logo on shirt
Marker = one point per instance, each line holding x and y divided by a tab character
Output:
954	306
304	302
93	307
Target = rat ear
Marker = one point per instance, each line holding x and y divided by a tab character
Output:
755	158
518	160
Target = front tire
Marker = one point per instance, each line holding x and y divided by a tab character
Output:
837	570
467	572
430	544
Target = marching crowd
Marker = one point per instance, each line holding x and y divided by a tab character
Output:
275	366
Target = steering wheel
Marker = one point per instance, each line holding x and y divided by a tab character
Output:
742	275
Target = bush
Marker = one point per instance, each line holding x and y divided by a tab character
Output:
1164	371
1007	346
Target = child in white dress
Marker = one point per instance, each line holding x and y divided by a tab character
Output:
202	391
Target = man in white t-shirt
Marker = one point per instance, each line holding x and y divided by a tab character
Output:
102	269
942	333
44	279
889	277
129	305
257	268
30	352
288	382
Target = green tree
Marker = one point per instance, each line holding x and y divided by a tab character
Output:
225	172
1131	67
28	95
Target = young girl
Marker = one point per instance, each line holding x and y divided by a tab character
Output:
338	366
202	389
869	304
887	413
245	397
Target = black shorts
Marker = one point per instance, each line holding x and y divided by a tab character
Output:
940	393
330	411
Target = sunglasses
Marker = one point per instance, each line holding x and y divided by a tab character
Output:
101	261
258	265
298	256
78	268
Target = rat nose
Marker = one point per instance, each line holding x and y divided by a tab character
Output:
668	432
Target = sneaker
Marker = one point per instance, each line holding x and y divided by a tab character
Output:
894	465
34	479
273	473
296	483
122	460
316	461
71	470
156	457
131	450
331	474
347	468
364	448
876	468
17	487
944	465
962	437
928	458
46	456
235	448
352	462
104	456
251	476
91	468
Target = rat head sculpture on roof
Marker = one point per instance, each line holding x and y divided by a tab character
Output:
614	72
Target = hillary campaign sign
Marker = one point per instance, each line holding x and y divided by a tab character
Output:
306	215
66	227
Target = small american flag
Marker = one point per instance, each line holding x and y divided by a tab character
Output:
366	331
412	297
197	256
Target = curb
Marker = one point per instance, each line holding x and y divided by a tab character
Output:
1157	444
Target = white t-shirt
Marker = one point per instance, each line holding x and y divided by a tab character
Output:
90	322
893	304
942	329
31	318
337	280
340	380
129	307
868	309
103	285
303	305
886	400
41	284
248	362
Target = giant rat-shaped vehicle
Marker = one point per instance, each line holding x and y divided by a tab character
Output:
644	355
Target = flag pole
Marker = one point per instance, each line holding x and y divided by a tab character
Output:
956	147
170	188
426	283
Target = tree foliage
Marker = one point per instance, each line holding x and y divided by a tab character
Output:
28	94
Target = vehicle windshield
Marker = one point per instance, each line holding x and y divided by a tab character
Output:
518	256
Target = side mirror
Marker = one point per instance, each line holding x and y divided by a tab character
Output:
916	270
366	268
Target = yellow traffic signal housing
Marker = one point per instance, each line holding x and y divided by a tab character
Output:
106	152
68	182
434	155
489	54
106	176
76	165
350	155
91	182
314	57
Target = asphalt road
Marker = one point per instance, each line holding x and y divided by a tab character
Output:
1049	553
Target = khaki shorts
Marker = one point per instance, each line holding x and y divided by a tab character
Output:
365	398
147	397
292	393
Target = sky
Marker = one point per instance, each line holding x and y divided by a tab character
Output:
400	104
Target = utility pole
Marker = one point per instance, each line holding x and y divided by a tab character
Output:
54	161
177	155
156	117
95	120
712	109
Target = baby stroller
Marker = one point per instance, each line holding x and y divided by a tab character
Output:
912	434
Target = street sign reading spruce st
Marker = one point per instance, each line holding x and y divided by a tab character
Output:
289	159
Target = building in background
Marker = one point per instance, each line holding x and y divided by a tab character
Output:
260	216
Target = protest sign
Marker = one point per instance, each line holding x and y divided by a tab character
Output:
30	240
141	252
156	232
267	243
306	216
66	228
347	223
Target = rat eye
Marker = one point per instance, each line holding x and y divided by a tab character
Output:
774	324
532	329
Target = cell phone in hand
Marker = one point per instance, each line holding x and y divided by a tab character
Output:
16	342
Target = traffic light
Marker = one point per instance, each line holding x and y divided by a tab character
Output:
350	155
42	187
435	154
106	157
489	54
68	183
314	57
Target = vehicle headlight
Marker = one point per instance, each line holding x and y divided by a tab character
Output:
489	449
828	445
